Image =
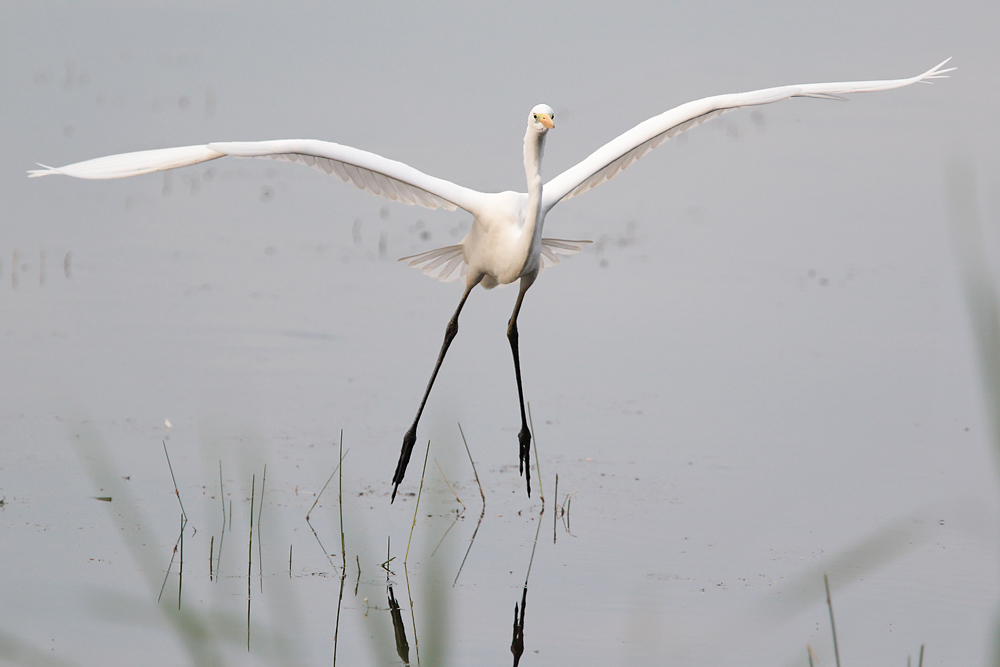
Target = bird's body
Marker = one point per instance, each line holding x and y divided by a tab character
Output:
498	246
505	241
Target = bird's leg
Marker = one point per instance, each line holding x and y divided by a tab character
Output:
410	439
524	436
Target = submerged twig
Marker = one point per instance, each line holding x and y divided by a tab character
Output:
538	466
473	465
176	492
449	484
413	618
482	514
471	542
567	503
441	541
253	487
260	514
222	496
388	559
555	514
336	627
833	626
170	566
534	546
340	502
218	555
180	574
328	480
222	535
416	505
318	496
320	543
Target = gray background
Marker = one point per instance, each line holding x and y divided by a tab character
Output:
761	371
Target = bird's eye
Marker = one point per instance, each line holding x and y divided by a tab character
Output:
536	116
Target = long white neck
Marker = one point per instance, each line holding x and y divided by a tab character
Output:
534	145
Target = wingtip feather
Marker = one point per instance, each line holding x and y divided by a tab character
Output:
936	72
46	171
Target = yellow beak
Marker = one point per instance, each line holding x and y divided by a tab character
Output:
546	120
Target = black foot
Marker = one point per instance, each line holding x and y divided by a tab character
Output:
524	438
409	440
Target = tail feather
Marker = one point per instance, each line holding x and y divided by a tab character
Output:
448	263
551	248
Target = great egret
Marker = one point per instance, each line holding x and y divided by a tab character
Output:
505	243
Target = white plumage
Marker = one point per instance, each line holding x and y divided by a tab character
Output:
505	242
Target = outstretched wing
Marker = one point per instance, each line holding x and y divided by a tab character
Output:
618	154
381	176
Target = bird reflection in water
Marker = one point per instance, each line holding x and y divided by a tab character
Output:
399	630
517	642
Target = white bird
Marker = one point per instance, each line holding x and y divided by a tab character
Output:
505	243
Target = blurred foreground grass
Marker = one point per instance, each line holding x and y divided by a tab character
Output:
983	301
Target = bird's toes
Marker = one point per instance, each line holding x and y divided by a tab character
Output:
409	440
524	439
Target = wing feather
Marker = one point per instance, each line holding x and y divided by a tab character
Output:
132	164
371	183
617	155
367	171
385	185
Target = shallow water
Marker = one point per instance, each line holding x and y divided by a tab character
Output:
763	370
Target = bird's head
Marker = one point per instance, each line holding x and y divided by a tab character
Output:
542	118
